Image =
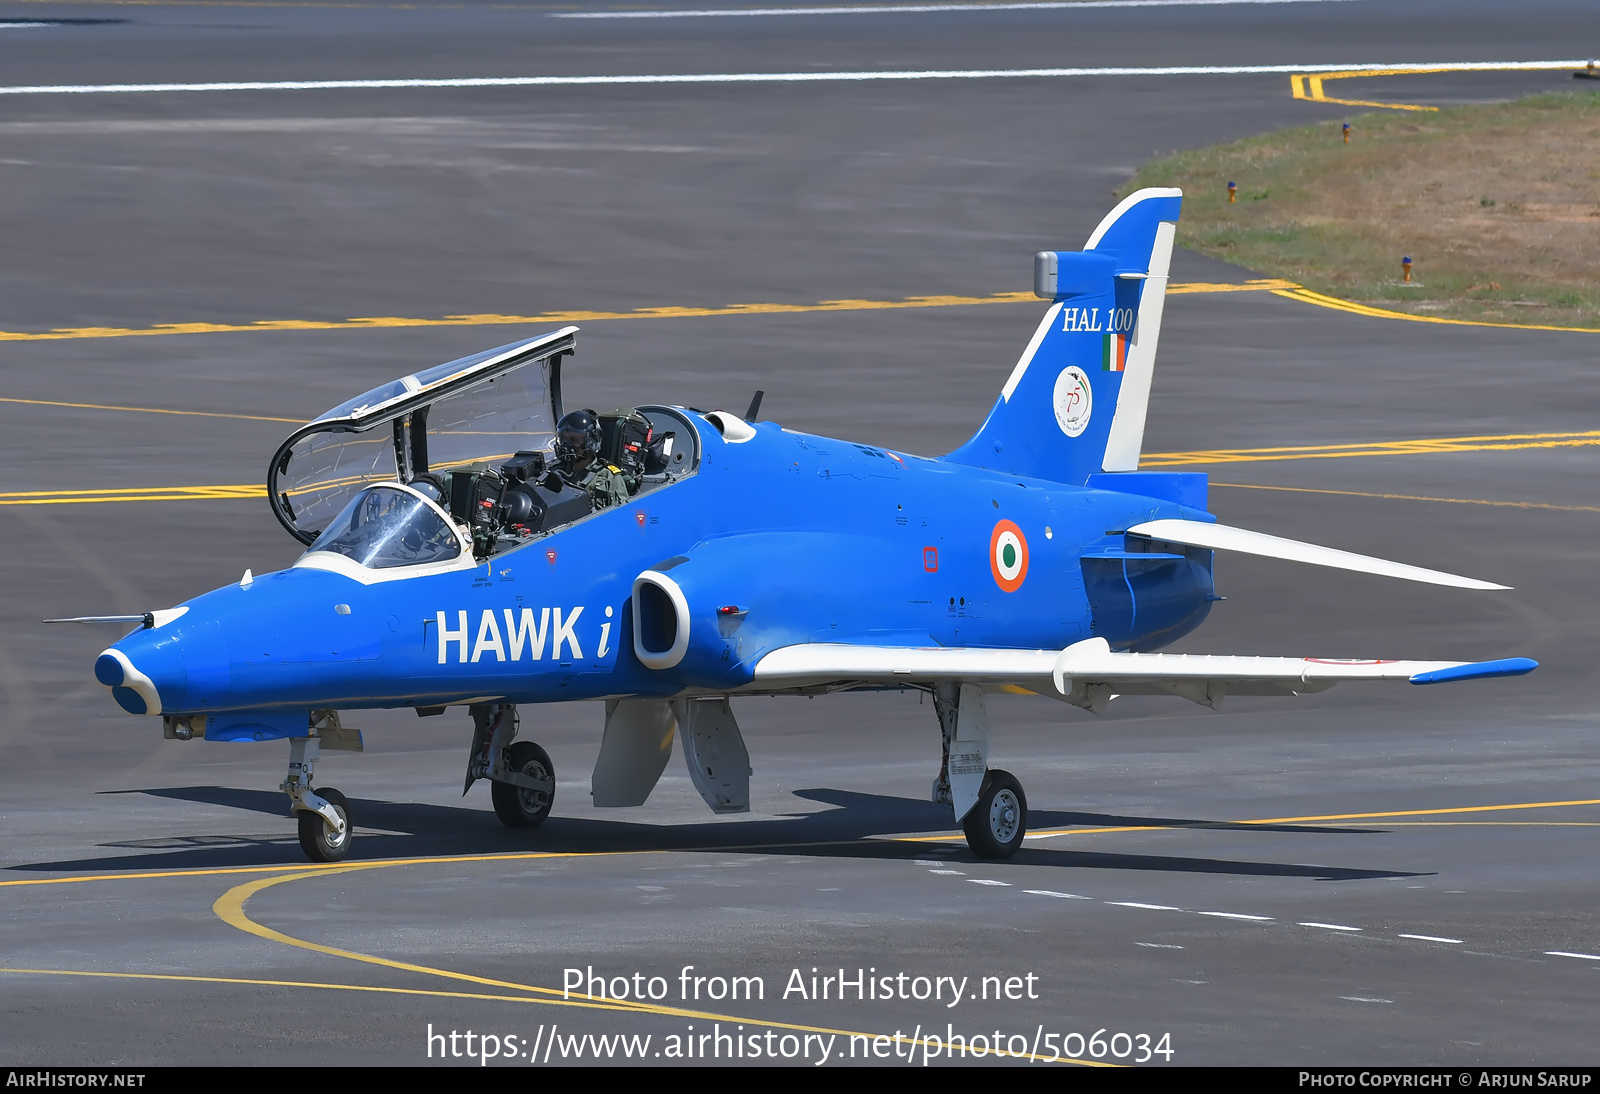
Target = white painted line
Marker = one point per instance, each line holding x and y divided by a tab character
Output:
829	890
1331	926
1364	999
1432	938
1564	953
955	873
777	77
1151	907
987	881
1062	896
1240	915
900	9
1158	945
22	26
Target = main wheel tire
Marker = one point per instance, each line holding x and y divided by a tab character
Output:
999	820
515	806
317	839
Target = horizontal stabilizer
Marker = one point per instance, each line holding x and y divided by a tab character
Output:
1220	537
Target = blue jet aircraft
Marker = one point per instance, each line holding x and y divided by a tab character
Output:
459	556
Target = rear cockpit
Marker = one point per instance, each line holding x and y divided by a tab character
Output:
463	457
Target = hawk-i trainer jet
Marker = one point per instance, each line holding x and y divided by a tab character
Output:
462	552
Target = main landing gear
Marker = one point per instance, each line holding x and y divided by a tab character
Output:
989	805
523	780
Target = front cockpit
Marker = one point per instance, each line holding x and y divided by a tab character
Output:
461	460
389	525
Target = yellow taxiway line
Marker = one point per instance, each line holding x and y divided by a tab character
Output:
1306	296
1416	447
1414	497
152	410
1309	86
1289	290
150	493
378	322
1212	825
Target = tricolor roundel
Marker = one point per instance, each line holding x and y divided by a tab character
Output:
1008	556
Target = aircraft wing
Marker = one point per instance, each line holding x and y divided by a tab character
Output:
1089	673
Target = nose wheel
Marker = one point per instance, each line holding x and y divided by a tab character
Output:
320	840
997	822
323	814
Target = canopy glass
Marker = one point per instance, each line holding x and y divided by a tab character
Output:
479	409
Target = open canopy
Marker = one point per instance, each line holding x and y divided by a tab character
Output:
474	410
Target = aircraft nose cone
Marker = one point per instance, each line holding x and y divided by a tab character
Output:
133	691
108	670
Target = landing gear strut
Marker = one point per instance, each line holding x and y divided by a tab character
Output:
523	780
988	804
323	814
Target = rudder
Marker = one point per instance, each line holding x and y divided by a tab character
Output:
1075	403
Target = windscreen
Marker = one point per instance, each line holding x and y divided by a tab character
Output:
384	527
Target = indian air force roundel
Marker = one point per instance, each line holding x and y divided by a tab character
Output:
1008	556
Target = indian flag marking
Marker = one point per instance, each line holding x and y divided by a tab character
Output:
1008	556
1114	355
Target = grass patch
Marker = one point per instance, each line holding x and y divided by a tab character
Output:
1497	205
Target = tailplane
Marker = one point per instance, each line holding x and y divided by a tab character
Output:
1075	403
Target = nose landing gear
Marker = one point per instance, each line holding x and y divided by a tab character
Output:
321	840
323	814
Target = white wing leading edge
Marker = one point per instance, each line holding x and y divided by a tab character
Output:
1088	674
1220	537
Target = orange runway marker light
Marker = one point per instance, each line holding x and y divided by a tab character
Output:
1405	266
1233	191
1346	130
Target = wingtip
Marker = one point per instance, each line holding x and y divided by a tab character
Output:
1478	670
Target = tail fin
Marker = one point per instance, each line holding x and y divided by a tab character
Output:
1075	403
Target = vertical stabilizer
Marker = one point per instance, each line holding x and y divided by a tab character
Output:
1075	403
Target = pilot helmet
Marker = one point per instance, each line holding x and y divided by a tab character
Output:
578	435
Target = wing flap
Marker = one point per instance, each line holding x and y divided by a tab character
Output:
1221	537
824	663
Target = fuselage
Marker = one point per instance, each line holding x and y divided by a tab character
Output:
777	539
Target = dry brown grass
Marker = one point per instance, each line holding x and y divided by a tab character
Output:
1497	205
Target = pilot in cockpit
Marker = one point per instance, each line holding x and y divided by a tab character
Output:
578	437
